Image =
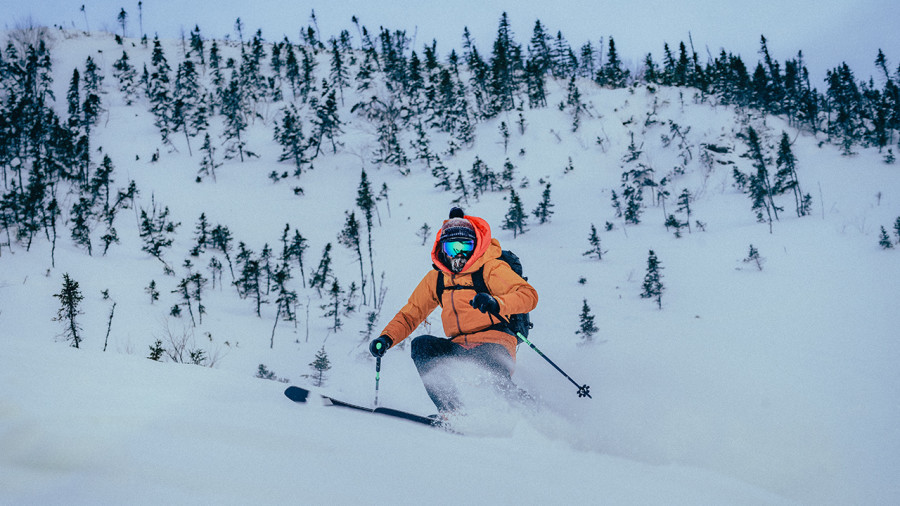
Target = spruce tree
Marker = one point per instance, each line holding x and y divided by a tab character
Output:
596	247
323	271
545	208
786	177
320	365
885	240
152	292
296	251
333	307
69	298
156	231
208	163
586	328
760	189
327	124
684	206
81	232
754	258
339	74
233	108
159	92
633	204
350	238
250	281
285	299
365	200
612	73
653	287
515	215
220	239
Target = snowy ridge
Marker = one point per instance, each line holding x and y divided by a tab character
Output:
772	386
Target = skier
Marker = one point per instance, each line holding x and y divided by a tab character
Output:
463	247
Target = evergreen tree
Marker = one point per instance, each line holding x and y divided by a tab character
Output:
422	146
596	247
232	106
586	328
81	232
539	54
461	189
885	240
786	177
188	108
201	236
323	271
587	61
220	239
507	175
125	74
633	204
159	92
515	215
339	75
156	231
156	351
285	299
73	98
69	298
91	86
573	101
250	281
365	200
545	208
296	250
326	124
612	74
152	292
760	189
684	206
559	53
653	287
350	238
208	164
504	62
672	222
289	133
333	308
616	204
897	229
754	258
320	365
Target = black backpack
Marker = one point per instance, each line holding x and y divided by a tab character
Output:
518	323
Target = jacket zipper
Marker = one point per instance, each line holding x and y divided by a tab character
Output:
455	312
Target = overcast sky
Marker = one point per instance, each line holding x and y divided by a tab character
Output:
828	31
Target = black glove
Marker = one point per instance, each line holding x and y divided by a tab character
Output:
485	303
380	345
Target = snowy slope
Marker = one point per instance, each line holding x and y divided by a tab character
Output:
748	387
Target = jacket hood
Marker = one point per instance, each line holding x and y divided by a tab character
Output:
483	244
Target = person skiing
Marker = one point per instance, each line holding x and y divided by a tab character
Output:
463	247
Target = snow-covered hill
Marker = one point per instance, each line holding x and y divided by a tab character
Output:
749	386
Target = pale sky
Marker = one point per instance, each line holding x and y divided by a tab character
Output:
828	31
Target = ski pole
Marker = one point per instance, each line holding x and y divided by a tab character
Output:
377	377
583	390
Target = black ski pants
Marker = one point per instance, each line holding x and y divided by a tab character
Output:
430	352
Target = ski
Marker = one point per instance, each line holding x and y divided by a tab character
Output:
298	394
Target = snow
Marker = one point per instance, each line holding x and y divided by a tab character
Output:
777	386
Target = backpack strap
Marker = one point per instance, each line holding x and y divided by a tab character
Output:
478	283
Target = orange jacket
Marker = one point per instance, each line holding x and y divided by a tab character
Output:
466	325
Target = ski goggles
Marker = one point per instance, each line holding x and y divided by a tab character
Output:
453	248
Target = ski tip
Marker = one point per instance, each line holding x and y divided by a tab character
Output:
297	394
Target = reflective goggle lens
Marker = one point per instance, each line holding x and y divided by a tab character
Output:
453	248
